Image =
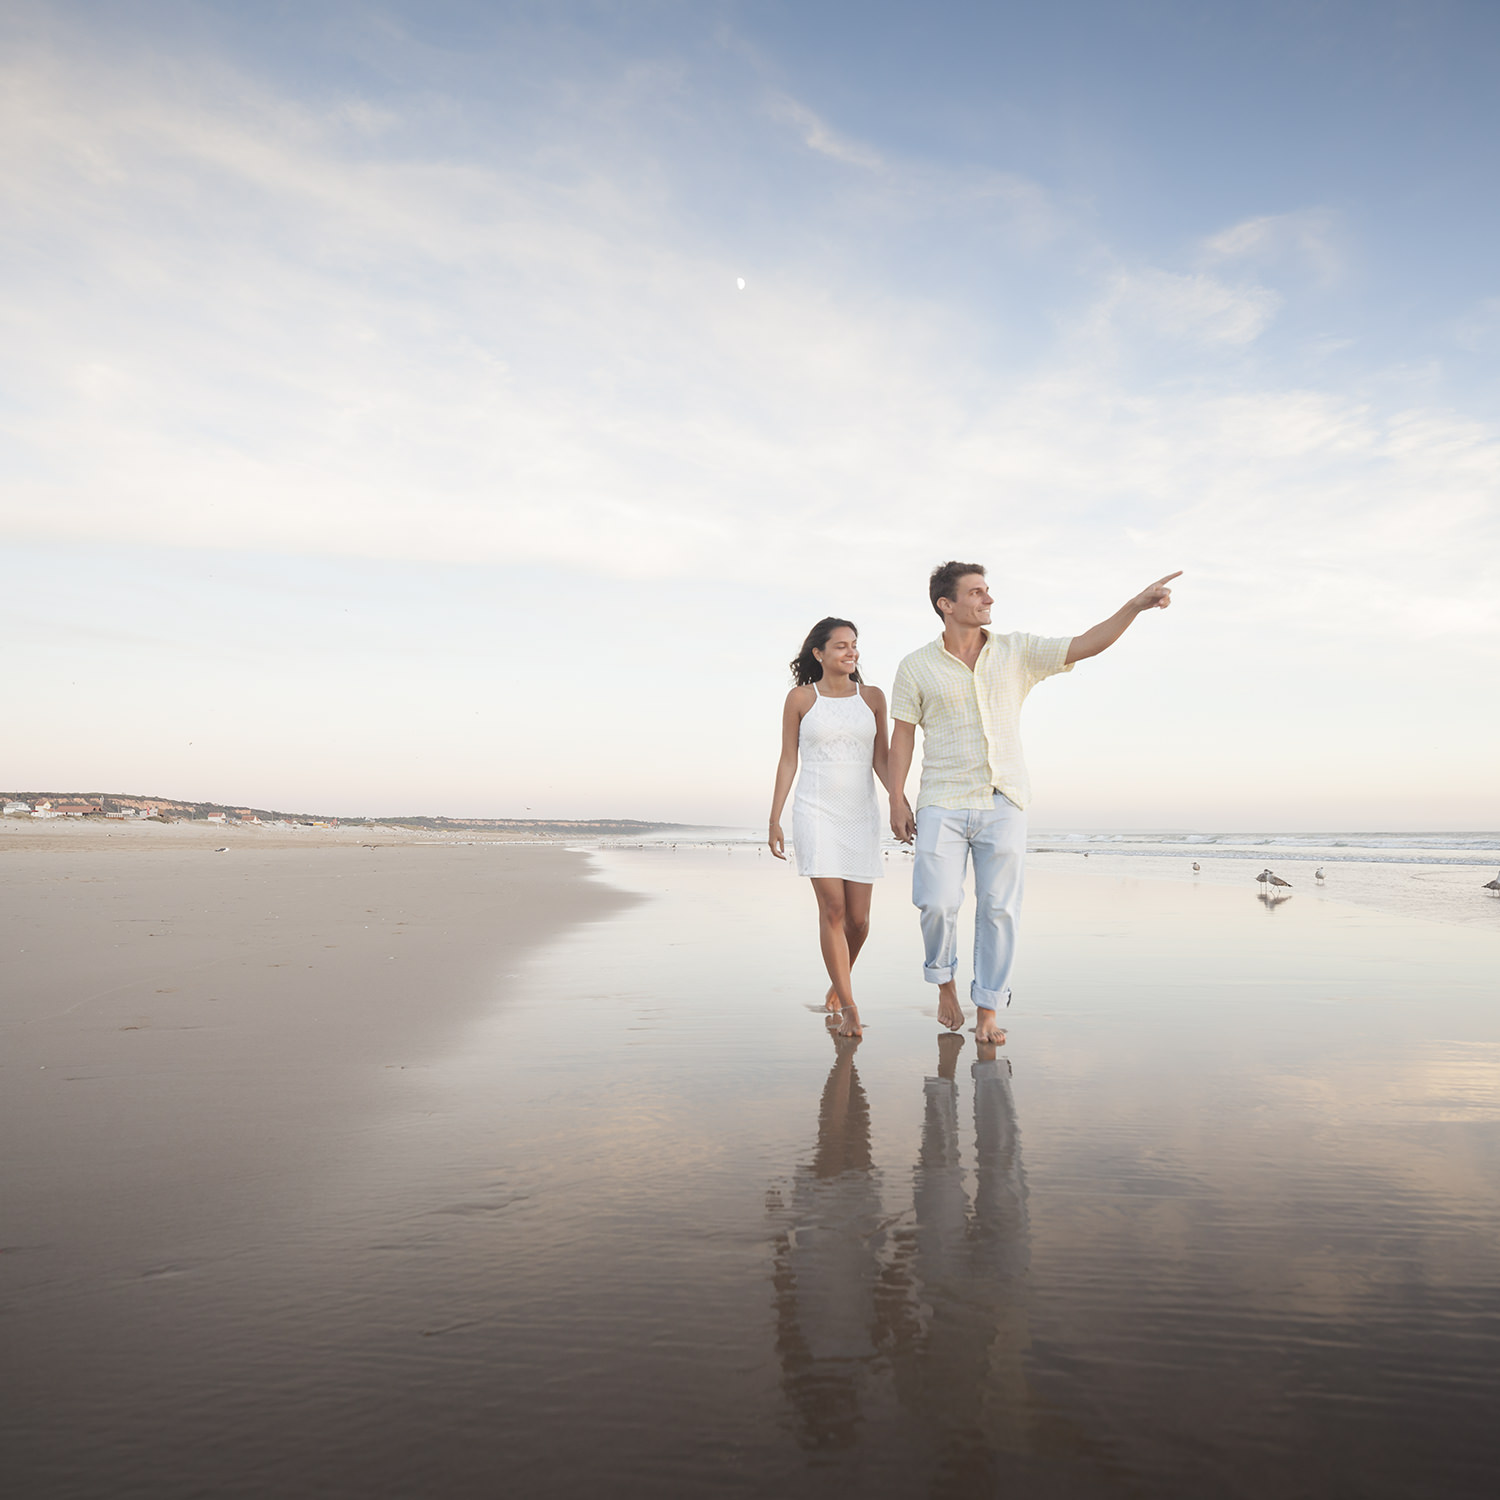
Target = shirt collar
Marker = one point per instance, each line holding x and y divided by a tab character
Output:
942	650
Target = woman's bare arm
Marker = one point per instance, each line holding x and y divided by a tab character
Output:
797	703
882	741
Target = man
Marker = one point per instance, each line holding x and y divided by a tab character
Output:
966	689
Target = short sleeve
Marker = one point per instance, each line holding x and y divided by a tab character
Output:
1047	655
906	696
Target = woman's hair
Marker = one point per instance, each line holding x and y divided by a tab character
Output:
806	668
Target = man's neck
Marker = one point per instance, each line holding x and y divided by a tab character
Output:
964	641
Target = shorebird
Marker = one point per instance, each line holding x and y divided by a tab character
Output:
1276	880
1492	885
1318	873
1264	876
1196	867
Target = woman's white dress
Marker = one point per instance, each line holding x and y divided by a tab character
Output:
835	817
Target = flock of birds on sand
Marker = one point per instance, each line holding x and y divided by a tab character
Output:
1272	885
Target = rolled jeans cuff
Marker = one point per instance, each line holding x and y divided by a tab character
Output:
938	973
989	999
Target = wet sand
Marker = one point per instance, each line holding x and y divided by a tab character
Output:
1218	1220
198	1051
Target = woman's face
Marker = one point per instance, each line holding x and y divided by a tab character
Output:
840	652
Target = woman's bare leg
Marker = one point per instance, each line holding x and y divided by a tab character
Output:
835	945
856	930
856	915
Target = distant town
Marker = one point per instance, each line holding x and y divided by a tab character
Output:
121	807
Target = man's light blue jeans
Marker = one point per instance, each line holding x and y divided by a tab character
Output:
946	837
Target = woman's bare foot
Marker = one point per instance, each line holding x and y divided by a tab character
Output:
950	1012
850	1025
987	1031
831	1002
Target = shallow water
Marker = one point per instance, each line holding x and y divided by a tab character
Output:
1220	1219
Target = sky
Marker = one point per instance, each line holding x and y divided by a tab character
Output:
383	428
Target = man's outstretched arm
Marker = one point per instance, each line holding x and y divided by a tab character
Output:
1107	632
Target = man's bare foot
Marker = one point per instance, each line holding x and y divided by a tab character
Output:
986	1031
948	1049
831	1002
950	1012
850	1025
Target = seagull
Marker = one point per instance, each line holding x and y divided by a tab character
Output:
1196	867
1492	885
222	849
1264	876
1318	873
1278	881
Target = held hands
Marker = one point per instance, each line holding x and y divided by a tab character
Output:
903	825
1157	596
777	841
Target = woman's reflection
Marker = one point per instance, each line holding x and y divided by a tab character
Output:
828	1265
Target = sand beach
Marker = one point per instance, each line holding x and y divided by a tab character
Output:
472	1169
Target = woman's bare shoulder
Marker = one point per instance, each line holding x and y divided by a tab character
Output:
801	698
873	693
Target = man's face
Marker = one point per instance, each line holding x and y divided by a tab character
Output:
971	603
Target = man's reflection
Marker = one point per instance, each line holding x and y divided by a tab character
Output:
958	1350
828	1267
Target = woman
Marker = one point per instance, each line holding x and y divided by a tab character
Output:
835	725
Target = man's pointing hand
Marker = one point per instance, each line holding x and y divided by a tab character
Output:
1157	595
1107	632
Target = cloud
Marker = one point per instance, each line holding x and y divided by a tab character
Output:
817	135
1165	304
1307	239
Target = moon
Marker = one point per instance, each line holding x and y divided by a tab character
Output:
739	281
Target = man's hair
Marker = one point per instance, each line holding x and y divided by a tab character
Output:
944	581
